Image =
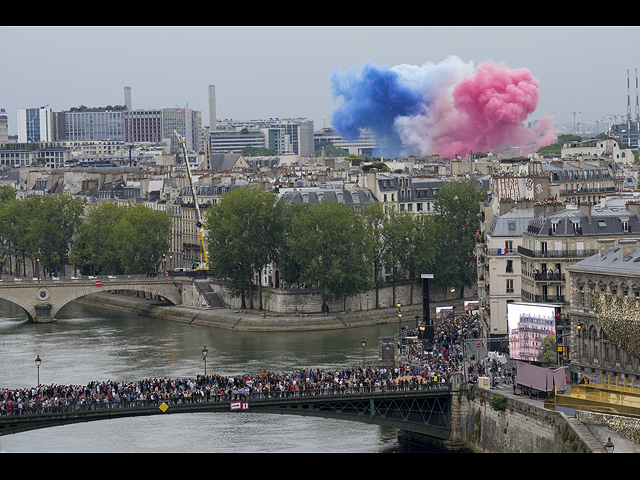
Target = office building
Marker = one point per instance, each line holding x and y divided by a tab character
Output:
4	126
187	122
94	125
35	125
142	126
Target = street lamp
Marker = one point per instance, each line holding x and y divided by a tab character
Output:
399	320
204	357
609	446
38	362
363	342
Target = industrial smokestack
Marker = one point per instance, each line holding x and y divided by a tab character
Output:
628	103
127	97
212	108
637	109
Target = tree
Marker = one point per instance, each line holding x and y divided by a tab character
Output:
246	228
376	216
330	243
398	234
54	222
141	236
120	239
548	352
95	245
457	205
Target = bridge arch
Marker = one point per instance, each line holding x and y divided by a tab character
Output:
173	297
41	301
28	308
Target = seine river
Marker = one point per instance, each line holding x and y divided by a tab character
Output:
86	343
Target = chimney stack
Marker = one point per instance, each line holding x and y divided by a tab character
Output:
586	209
628	246
605	245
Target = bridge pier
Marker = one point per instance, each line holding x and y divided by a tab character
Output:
43	313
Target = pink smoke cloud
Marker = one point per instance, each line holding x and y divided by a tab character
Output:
481	113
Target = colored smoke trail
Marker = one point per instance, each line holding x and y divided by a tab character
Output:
447	109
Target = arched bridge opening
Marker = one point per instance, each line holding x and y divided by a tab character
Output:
41	301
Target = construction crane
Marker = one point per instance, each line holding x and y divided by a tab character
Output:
203	264
574	119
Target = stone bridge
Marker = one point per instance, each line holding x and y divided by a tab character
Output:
42	299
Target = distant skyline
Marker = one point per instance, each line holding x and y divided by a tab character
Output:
269	72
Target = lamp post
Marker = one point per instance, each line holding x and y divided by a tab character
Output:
609	446
38	362
399	320
204	357
363	342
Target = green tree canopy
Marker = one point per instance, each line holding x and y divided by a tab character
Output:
119	239
457	205
246	228
330	243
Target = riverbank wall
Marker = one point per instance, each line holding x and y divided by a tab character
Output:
245	320
523	426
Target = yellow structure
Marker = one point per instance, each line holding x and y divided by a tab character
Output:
610	398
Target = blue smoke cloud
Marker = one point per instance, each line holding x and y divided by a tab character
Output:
372	98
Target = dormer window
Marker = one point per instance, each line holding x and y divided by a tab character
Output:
624	223
577	229
554	228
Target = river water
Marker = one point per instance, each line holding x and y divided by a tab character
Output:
85	343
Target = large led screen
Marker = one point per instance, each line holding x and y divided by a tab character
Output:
529	324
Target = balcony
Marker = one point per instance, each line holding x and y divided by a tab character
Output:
541	298
548	277
556	254
501	251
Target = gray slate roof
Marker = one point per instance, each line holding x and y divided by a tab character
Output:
511	223
604	221
361	196
610	262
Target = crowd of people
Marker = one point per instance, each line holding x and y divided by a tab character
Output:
426	368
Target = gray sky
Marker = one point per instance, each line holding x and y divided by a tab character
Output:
268	72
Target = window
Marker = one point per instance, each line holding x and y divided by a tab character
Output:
510	285
625	225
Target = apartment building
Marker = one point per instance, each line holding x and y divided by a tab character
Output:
411	194
499	268
605	291
582	181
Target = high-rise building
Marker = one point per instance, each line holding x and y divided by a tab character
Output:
4	126
187	122
35	125
286	135
94	125
142	126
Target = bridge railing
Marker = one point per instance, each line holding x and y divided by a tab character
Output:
156	399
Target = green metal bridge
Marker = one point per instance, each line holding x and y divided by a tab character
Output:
420	408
